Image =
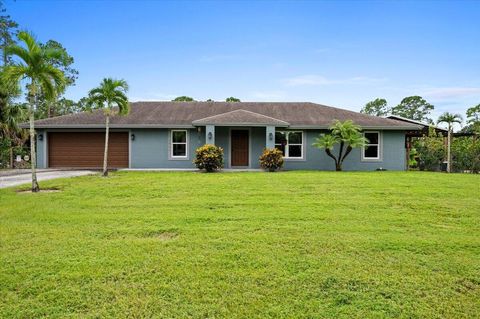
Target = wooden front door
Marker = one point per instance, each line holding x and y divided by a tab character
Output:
239	145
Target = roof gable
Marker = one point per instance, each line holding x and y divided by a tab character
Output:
240	117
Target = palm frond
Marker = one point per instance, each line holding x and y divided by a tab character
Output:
29	39
56	75
123	106
12	74
20	52
326	141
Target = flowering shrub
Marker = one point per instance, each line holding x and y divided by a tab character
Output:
271	159
209	157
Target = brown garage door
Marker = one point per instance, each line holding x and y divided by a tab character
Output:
74	149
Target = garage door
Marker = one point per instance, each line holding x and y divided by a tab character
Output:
74	149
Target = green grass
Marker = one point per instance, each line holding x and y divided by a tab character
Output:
243	245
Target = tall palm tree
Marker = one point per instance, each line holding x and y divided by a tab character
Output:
346	134
34	65
111	97
449	119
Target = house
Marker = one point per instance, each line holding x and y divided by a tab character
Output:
166	134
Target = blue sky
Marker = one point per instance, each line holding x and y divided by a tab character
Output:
336	53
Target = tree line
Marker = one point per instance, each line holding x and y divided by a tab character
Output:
418	109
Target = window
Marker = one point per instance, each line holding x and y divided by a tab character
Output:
371	150
178	143
290	143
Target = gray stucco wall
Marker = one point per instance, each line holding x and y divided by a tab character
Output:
41	149
392	155
151	149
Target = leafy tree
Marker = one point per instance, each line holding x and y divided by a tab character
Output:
232	99
8	30
34	65
449	119
183	99
377	107
48	107
111	97
209	100
345	134
83	105
415	108
473	118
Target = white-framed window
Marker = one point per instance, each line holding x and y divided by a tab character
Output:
290	143
178	143
371	150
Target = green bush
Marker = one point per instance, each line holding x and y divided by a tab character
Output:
466	154
271	159
209	157
431	151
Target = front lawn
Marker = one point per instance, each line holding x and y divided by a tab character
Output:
243	245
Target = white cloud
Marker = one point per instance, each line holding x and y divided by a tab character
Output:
448	93
318	80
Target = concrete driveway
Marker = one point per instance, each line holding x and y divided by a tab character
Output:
24	176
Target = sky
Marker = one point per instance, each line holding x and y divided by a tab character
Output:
338	53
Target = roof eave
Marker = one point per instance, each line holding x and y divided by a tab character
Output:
243	124
65	126
363	127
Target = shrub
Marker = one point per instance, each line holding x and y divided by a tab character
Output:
271	159
466	154
209	157
431	151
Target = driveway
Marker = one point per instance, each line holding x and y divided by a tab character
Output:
24	177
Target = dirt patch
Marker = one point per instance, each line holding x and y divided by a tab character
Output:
42	191
162	235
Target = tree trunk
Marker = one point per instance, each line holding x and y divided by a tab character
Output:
11	154
33	152
338	166
105	154
329	153
449	154
340	152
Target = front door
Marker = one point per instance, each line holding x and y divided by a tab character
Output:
239	145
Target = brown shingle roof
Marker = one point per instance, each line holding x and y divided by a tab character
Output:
182	114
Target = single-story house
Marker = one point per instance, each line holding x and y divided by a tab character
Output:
166	134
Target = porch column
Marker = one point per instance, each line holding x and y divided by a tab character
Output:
210	134
270	137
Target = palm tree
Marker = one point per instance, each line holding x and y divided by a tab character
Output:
111	97
13	115
346	134
449	119
35	66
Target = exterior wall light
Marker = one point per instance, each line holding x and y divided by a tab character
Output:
270	136
132	137
210	135
40	137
